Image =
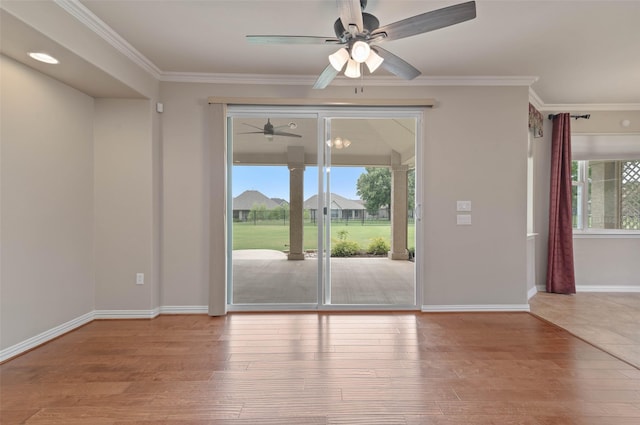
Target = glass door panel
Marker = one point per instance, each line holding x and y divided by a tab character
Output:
321	209
273	181
369	203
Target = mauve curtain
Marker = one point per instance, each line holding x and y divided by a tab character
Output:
560	271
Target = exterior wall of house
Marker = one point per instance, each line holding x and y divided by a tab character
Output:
47	204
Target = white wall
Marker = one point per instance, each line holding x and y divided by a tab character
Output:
601	263
124	205
475	149
184	235
47	203
605	262
541	176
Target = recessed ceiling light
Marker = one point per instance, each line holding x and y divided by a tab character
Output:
43	57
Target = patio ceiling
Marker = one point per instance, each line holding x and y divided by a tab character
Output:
373	141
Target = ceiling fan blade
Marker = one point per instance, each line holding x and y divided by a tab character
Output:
326	77
291	39
395	65
253	126
428	21
252	132
283	133
350	13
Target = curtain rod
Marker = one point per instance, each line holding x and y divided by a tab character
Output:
585	116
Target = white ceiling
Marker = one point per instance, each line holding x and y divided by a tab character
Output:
582	52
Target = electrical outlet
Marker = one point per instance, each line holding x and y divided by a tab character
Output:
139	278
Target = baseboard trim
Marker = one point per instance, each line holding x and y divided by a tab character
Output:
470	308
184	309
532	292
601	288
46	336
126	314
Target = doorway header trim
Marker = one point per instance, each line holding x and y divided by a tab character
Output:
425	103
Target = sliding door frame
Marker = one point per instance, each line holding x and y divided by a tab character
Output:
324	113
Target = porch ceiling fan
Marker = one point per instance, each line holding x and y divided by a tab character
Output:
269	130
360	33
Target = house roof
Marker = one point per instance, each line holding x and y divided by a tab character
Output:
250	198
337	202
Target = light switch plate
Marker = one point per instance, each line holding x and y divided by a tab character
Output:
463	206
463	219
139	278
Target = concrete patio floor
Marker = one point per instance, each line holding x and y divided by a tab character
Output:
267	277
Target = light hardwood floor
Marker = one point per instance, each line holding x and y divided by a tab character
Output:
610	321
320	368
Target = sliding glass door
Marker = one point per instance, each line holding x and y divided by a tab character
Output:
321	208
370	199
273	236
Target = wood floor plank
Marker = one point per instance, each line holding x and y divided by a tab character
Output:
320	368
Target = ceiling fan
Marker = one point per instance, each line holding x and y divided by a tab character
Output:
360	33
269	130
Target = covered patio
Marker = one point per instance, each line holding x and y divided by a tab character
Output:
267	277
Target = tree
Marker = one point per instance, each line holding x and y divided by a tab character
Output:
374	188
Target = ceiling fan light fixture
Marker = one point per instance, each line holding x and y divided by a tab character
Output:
353	69
339	58
374	61
360	51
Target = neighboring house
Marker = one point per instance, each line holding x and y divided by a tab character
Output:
341	208
250	199
281	202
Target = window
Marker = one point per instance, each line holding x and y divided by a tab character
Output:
606	194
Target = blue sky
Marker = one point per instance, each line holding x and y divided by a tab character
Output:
273	181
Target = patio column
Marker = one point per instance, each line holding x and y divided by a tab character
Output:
399	206
296	217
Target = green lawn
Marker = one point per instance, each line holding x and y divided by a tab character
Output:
275	235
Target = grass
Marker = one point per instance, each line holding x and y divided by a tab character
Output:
275	235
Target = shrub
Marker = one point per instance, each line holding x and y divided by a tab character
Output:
378	246
344	248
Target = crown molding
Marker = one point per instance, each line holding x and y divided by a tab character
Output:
535	100
76	9
218	78
95	24
590	107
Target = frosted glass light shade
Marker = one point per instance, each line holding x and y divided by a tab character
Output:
373	61
339	58
360	51
353	69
